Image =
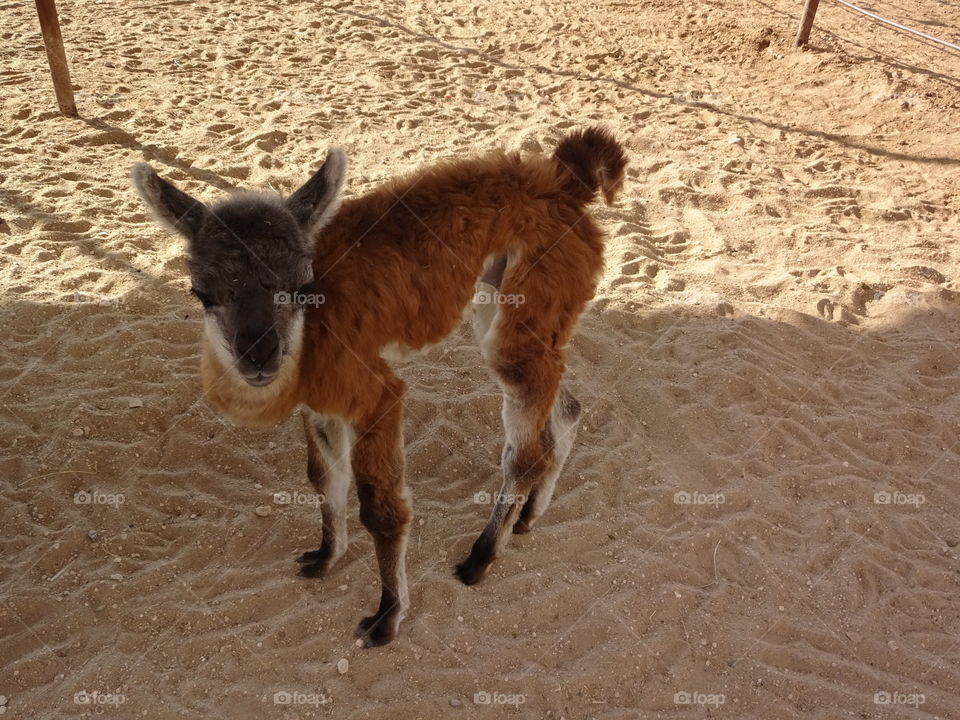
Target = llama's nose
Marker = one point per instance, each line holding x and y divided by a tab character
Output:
258	349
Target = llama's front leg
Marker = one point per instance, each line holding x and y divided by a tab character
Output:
328	469
384	510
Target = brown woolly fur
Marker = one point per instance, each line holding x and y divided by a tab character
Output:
590	156
399	265
395	270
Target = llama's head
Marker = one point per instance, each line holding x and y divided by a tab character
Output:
250	260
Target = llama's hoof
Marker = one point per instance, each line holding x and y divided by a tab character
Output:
376	630
522	527
313	570
470	572
309	557
314	564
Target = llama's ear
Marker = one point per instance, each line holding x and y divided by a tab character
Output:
173	207
315	204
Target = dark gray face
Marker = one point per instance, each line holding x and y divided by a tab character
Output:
250	263
248	258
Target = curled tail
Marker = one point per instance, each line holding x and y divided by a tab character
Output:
590	160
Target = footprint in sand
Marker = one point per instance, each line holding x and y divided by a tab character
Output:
864	294
855	302
836	312
673	242
836	200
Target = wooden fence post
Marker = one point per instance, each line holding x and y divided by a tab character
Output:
53	41
806	22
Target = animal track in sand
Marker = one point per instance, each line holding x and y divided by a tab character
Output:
836	311
673	242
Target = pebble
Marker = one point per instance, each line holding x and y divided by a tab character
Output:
342	666
116	576
262	510
78	432
92	534
135	402
455	702
736	140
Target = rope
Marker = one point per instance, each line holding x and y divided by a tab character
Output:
898	25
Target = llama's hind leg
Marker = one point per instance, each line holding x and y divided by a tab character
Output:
484	307
524	345
529	454
563	424
328	469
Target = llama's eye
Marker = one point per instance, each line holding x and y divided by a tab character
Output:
204	299
305	289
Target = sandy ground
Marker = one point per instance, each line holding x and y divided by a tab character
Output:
759	519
